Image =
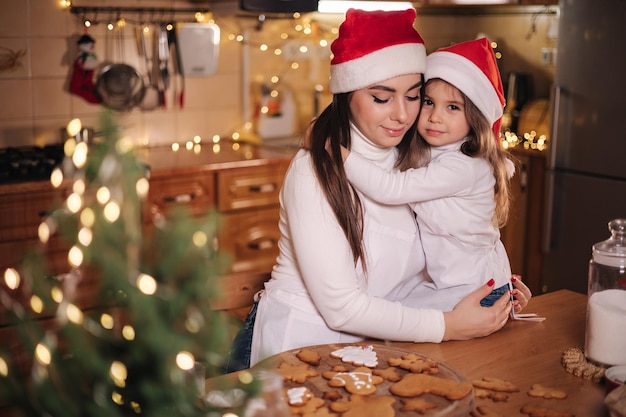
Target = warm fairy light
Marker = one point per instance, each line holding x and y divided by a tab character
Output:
199	238
197	139
103	195
124	145
87	217
111	211
128	332
217	148
74	127
117	398
284	36
197	148
56	177
79	158
323	43
303	49
36	304
4	368
57	294
274	79
106	321
110	26
142	186
239	38
74	314
235	136
274	93
118	373
146	284
189	145
263	47
69	146
136	407
265	109
75	256
43	232
74	202
85	236
295	65
42	354
11	278
185	360
278	51
175	147
245	377
79	186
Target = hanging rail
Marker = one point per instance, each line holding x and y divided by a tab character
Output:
166	14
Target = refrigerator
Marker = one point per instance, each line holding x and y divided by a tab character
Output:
586	173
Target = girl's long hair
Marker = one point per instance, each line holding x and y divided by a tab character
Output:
330	131
480	143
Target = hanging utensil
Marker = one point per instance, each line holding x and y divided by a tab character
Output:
119	85
151	97
179	93
164	54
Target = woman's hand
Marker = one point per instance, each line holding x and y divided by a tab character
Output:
469	319
521	293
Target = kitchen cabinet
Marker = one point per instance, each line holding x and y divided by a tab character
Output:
240	181
522	234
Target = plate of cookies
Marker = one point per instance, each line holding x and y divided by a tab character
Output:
371	379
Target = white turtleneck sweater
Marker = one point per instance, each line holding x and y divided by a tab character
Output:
316	294
453	199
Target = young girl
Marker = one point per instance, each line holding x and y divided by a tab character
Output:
460	190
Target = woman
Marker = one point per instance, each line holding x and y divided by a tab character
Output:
348	267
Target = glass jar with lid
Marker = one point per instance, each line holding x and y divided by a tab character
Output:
605	336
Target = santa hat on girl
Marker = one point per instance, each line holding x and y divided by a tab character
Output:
472	68
375	46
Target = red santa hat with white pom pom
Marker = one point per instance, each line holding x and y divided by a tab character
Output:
374	46
472	68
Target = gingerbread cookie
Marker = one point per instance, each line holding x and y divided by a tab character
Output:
309	356
539	411
359	406
296	373
413	385
357	355
495	384
390	374
359	381
537	390
492	395
310	407
299	396
416	364
417	404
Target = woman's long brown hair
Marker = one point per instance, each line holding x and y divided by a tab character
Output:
330	131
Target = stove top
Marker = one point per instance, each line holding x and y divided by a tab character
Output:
29	163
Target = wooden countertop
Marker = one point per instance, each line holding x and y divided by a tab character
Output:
525	353
163	161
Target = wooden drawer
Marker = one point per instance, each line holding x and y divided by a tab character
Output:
196	192
249	187
250	238
21	213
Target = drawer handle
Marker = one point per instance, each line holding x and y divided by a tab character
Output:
180	198
262	244
263	188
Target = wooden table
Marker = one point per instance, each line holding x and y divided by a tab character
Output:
527	353
524	353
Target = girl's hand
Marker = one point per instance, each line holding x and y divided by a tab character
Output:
469	319
521	293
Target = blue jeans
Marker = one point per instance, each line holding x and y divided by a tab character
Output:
494	296
241	349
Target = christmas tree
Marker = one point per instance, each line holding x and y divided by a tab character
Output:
138	354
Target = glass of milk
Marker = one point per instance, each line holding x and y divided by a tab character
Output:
605	336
